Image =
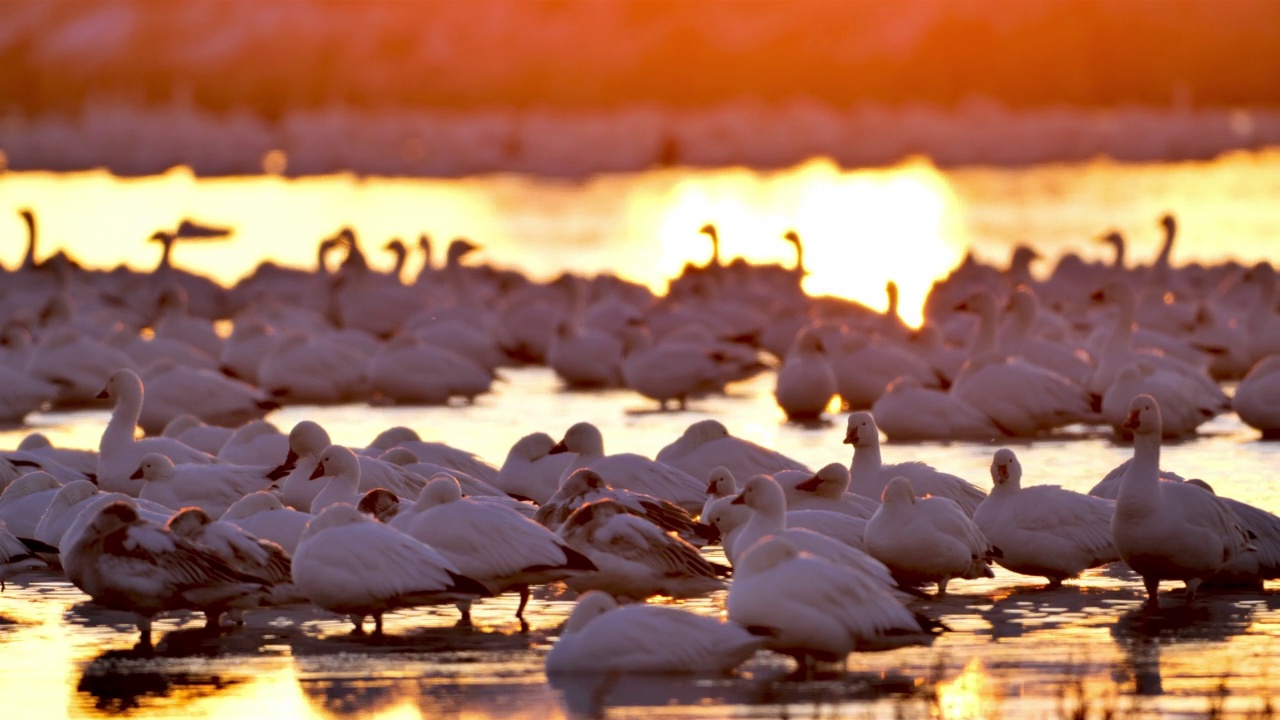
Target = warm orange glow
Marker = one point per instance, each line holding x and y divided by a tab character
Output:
970	696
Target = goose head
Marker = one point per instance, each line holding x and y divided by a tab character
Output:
1144	416
591	605
154	466
898	493
337	461
720	482
582	438
188	521
1006	471
862	430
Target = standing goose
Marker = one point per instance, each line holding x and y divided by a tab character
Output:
347	562
1043	530
769	517
806	383
1169	530
493	544
125	562
869	477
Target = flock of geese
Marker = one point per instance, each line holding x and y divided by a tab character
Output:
214	509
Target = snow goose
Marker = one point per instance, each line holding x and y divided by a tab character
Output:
25	501
585	357
257	442
473	487
190	430
212	488
1021	398
307	442
670	370
173	322
1182	406
635	559
383	505
339	468
828	490
437	453
145	351
769	516
349	563
1043	530
77	364
15	556
82	462
260	560
868	476
490	543
126	562
321	370
1169	530
531	471
1257	397
410	371
720	484
865	365
1249	570
263	515
250	342
602	637
706	445
173	390
22	394
119	454
629	471
815	610
805	383
909	412
1017	339
926	539
586	485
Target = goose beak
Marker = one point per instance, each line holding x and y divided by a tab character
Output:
810	485
103	395
137	474
558	448
851	437
1002	472
318	472
737	500
711	487
1133	421
279	471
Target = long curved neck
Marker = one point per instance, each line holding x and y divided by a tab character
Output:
1142	478
892	291
865	467
1166	250
124	420
29	260
799	256
166	242
401	253
985	341
1122	332
1118	242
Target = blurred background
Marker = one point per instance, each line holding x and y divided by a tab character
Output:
449	88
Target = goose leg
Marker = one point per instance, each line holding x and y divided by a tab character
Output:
524	600
1192	585
464	607
377	624
1153	590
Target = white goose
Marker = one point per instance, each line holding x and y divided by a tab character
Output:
805	383
15	557
263	515
628	470
1182	405
828	490
173	390
587	485
815	610
531	471
119	454
869	477
706	445
769	516
1043	530
928	539
490	543
347	562
190	430
585	357
307	442
1257	398
720	484
83	462
437	453
909	412
125	562
1169	530
635	559
254	558
25	501
602	637
322	369
255	443
212	488
339	471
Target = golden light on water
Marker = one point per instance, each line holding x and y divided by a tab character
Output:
971	695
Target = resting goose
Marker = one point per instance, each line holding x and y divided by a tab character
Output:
869	477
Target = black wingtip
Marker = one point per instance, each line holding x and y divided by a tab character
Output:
36	546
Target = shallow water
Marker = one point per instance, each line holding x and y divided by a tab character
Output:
1014	650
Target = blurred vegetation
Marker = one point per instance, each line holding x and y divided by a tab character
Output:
270	56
